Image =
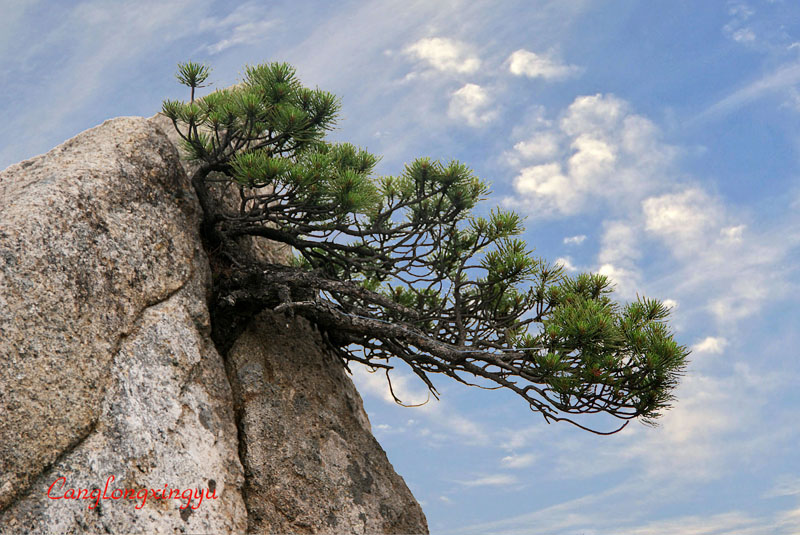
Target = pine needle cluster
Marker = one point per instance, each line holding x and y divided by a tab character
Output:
399	268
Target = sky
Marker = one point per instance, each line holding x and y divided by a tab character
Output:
655	142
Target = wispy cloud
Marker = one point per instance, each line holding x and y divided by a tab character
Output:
496	480
446	55
518	461
532	65
447	422
575	240
473	104
730	523
248	24
779	81
684	219
624	509
735	269
105	39
13	12
737	29
407	388
710	344
557	518
785	485
620	250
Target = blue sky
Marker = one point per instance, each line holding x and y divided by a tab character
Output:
655	142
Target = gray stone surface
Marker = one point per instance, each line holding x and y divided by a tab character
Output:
106	368
166	419
311	462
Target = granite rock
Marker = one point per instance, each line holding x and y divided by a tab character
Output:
311	462
107	367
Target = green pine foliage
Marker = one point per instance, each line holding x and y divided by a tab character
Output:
400	268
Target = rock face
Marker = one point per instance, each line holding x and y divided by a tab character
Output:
107	368
311	461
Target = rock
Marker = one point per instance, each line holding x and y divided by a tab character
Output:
311	462
107	367
165	420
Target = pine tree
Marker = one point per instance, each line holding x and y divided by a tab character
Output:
398	268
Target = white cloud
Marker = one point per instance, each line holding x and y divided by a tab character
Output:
14	12
595	115
575	240
743	35
497	480
609	154
710	344
748	289
723	266
688	221
549	187
671	304
740	10
785	485
473	104
514	439
687	215
534	120
526	63
566	263
465	427
446	55
789	520
625	280
609	157
518	461
733	234
242	34
540	146
629	508
593	160
709	431
619	251
705	436
405	387
734	271
736	29
248	24
619	244
730	523
411	391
